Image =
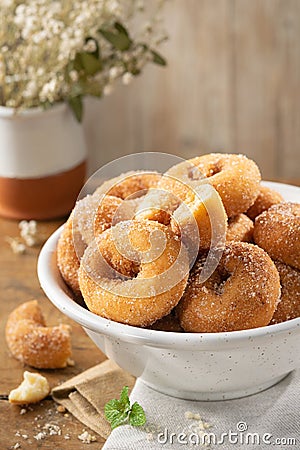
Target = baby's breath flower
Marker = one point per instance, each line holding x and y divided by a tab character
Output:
90	46
16	246
108	89
114	72
30	89
73	75
48	48
127	78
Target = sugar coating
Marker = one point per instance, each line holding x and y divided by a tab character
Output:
235	177
110	203
277	231
31	342
242	292
143	288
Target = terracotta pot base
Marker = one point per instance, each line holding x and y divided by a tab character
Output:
41	198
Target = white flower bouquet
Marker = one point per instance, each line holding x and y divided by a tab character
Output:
54	51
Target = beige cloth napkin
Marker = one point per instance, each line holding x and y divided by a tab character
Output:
273	414
85	395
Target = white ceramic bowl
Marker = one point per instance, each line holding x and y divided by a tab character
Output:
210	366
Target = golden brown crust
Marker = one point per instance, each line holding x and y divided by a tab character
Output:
32	343
240	228
235	177
67	259
146	295
242	292
277	231
105	213
266	198
289	305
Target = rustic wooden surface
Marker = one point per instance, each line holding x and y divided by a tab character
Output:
231	85
19	283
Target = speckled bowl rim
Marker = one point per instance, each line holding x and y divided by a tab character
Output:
52	284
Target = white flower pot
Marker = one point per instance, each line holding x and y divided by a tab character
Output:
42	162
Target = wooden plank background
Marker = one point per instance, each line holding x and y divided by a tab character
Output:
232	85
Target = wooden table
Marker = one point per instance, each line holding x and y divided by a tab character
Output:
19	283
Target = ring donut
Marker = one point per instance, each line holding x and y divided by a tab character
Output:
94	214
289	305
277	231
235	177
240	228
265	199
241	293
78	231
140	287
32	343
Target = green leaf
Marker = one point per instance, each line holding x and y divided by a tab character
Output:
113	405
114	416
137	415
119	39
119	412
89	63
77	106
124	399
119	420
116	412
158	59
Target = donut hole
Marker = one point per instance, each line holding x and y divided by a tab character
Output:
214	169
222	276
157	214
122	266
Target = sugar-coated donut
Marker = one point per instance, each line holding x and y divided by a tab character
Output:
265	199
139	275
277	231
242	292
94	214
289	305
235	177
240	228
32	343
89	219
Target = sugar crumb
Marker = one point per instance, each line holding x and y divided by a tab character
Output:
86	438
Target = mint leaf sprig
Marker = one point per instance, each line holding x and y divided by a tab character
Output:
119	412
